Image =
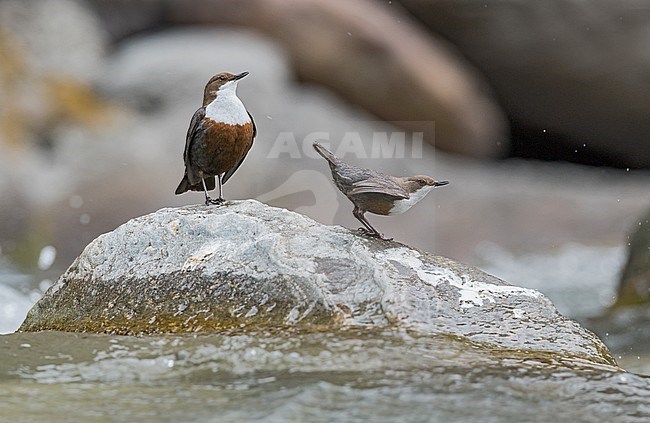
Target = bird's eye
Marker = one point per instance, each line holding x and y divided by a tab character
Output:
422	182
221	78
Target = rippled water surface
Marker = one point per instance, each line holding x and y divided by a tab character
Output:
383	376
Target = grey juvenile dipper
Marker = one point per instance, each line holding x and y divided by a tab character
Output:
220	135
376	192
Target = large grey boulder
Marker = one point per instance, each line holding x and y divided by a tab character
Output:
247	266
571	75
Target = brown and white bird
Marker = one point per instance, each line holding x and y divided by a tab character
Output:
220	135
376	192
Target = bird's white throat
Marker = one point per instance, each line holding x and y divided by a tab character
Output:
227	107
400	206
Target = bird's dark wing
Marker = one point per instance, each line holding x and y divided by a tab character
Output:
378	185
191	135
228	174
253	122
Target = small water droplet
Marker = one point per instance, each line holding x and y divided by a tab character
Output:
46	257
76	201
44	285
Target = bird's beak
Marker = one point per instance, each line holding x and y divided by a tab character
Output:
240	76
440	183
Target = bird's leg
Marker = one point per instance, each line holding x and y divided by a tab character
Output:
209	200
368	230
358	213
220	199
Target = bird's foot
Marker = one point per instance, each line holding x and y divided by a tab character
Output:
373	234
214	201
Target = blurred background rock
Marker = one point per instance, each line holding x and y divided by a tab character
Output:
540	112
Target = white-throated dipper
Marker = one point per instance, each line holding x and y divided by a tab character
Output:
220	135
376	192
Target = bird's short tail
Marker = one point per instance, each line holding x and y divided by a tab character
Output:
186	186
183	186
327	155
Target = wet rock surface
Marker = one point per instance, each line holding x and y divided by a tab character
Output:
627	323
248	267
634	287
